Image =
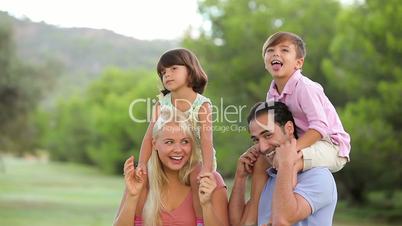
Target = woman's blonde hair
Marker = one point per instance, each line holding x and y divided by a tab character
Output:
157	178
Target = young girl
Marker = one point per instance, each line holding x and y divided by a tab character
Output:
184	81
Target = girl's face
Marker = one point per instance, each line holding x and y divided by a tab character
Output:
281	60
175	77
174	147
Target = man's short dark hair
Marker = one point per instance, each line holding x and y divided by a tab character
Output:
281	113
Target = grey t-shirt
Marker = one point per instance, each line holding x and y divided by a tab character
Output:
317	186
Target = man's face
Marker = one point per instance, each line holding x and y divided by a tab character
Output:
267	136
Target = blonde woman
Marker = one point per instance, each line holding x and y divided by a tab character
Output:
163	196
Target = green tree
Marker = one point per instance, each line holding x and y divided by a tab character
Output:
116	134
230	51
95	127
364	66
70	131
366	49
21	89
374	149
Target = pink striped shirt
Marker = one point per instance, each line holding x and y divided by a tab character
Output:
183	215
311	109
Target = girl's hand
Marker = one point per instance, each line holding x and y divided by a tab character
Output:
135	180
206	188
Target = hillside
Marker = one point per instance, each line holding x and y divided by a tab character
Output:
85	49
81	54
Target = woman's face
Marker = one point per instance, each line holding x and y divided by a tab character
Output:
174	147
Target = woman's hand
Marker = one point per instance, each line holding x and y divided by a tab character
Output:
135	180
202	172
206	188
141	168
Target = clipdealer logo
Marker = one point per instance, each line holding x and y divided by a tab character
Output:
224	118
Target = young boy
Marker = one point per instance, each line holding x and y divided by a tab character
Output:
322	139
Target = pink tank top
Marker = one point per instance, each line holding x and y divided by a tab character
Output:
183	215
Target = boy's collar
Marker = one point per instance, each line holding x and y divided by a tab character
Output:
289	87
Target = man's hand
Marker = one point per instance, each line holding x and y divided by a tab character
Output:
261	165
246	161
287	154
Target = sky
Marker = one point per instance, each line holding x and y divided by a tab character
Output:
141	19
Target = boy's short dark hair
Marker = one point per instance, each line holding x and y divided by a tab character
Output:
282	115
279	37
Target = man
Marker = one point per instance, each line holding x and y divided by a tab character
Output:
274	200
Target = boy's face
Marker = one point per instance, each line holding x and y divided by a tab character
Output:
281	60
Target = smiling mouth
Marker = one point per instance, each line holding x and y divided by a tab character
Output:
176	157
276	62
276	65
270	154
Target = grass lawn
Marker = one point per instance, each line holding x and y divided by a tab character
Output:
47	194
40	193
